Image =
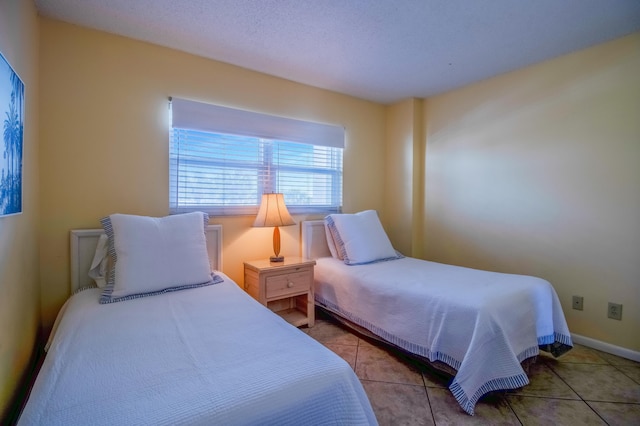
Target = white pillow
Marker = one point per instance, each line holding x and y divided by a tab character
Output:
359	238
98	269
331	243
155	255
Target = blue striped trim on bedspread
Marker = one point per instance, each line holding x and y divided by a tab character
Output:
556	344
514	382
555	337
404	344
466	402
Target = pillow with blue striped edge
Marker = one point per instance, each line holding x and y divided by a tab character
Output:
152	256
332	245
360	238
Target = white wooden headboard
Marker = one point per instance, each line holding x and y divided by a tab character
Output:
83	246
314	240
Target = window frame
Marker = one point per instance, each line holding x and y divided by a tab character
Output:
267	169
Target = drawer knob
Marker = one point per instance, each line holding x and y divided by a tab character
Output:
289	284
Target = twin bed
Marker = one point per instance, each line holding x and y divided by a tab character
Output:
203	354
166	338
482	327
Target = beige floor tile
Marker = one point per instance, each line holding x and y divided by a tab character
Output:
435	378
490	410
616	413
402	391
580	355
346	352
599	382
544	382
617	360
631	371
557	412
327	332
378	364
397	404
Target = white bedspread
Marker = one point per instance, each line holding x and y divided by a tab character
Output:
483	324
210	356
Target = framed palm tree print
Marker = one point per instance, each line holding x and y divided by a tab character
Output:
12	113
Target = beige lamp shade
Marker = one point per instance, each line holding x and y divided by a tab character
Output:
273	212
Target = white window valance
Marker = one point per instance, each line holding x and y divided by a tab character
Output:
219	119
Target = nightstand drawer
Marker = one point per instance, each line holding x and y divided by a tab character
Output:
280	285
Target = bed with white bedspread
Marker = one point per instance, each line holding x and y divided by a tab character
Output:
480	324
208	354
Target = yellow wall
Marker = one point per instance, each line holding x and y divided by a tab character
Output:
404	173
19	307
538	172
535	171
104	139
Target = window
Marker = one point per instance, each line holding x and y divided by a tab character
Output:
222	160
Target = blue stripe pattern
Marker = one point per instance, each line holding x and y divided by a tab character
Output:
466	402
336	237
215	279
404	344
556	344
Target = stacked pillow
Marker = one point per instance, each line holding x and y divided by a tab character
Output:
149	256
358	238
100	263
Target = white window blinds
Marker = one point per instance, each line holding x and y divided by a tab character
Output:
222	160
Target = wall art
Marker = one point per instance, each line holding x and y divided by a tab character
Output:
12	114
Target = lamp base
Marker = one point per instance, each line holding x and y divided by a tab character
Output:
276	259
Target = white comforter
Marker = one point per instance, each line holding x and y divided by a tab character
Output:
209	355
483	324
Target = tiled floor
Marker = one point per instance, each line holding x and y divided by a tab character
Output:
584	387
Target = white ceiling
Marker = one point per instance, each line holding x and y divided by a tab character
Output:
380	50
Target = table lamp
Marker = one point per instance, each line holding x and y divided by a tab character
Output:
273	212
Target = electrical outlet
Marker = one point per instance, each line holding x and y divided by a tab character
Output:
577	302
615	311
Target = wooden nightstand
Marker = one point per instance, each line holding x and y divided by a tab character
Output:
284	287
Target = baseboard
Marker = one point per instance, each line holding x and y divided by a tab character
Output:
606	347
